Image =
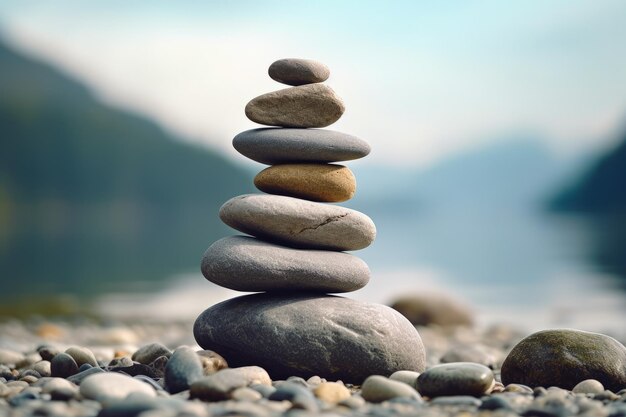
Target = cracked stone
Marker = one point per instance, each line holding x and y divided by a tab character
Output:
299	223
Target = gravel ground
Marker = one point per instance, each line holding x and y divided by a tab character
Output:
89	367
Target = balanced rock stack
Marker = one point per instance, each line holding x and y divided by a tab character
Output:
294	328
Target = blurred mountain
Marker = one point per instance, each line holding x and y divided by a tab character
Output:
601	189
91	195
515	171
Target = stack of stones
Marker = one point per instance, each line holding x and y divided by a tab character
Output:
296	255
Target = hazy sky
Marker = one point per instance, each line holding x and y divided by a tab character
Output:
419	79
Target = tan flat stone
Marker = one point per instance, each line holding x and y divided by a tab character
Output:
311	105
316	182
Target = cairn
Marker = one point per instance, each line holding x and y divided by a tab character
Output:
294	256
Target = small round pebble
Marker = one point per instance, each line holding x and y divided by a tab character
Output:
211	361
113	386
148	353
10	357
461	378
408	377
377	388
63	365
246	394
43	368
299	396
82	355
519	388
182	369
47	352
331	392
218	386
296	71
588	386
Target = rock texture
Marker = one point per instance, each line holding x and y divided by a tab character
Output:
563	358
307	335
247	264
299	223
316	182
311	105
460	378
295	71
273	145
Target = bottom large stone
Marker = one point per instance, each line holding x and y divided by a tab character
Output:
306	335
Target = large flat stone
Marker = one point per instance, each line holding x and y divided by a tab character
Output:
274	145
247	264
299	223
307	335
311	105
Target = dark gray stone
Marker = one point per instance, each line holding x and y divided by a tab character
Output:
306	335
148	353
296	71
311	105
182	369
247	264
79	377
461	378
273	145
299	223
299	396
47	352
138	369
63	365
495	402
563	358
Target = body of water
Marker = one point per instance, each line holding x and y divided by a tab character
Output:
524	267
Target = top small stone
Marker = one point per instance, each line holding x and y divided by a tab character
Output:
293	71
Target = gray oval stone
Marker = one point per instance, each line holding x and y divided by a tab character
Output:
108	386
588	386
461	378
311	105
408	377
294	71
148	353
299	223
307	335
182	369
274	145
377	388
564	357
244	263
220	385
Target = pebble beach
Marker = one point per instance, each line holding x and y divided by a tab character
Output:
293	347
88	367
